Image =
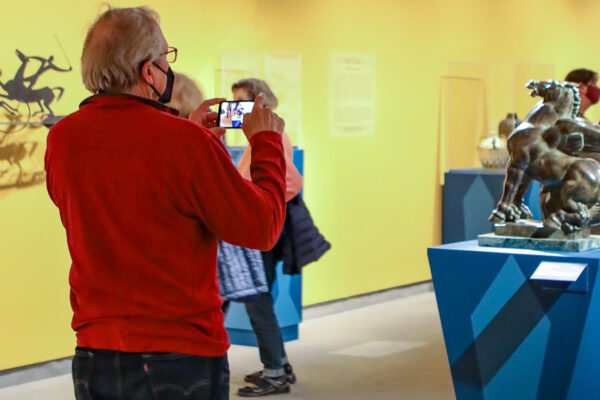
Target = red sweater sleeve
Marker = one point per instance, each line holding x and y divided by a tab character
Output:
244	213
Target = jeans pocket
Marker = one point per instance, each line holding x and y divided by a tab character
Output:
176	376
83	366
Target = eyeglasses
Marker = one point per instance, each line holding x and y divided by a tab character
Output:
171	54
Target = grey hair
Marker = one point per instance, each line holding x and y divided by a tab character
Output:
254	87
116	45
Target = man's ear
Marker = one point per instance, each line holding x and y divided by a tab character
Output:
582	88
147	72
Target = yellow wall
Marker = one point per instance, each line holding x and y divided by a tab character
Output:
376	198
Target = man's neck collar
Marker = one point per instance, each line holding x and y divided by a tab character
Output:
153	103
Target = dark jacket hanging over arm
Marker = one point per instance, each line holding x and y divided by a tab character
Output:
301	242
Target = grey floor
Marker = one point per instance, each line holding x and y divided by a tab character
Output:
389	350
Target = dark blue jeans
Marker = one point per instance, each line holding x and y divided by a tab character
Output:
264	323
116	375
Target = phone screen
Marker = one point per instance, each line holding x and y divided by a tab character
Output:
231	113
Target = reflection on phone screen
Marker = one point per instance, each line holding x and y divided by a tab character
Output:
231	113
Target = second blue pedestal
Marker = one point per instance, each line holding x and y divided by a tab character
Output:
510	336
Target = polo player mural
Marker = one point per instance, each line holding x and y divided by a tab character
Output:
24	107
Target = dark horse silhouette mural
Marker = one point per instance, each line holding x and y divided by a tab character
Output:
21	153
21	89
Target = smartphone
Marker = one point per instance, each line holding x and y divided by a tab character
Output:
231	113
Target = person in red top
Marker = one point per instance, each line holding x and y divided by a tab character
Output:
589	92
143	196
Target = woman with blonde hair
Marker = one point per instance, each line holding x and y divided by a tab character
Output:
187	95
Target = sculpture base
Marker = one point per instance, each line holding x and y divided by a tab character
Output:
536	229
573	245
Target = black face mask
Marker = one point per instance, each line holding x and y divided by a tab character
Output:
165	97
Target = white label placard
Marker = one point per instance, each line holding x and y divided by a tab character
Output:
352	94
558	271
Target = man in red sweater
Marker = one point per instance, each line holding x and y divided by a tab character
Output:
143	196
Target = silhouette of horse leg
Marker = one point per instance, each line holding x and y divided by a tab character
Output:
11	110
45	95
8	108
34	146
10	175
61	91
47	105
41	110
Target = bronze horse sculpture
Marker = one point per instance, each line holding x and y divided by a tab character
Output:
540	148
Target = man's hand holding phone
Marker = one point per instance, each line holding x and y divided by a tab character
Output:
261	119
208	118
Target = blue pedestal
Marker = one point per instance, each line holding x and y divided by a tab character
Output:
511	337
287	291
469	196
287	294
